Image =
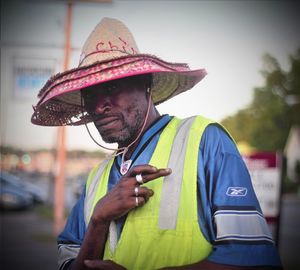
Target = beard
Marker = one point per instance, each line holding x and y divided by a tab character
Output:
129	130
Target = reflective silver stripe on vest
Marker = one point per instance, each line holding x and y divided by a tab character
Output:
113	236
92	189
89	199
170	194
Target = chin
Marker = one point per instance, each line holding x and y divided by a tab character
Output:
119	139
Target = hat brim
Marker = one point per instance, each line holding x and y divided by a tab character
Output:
60	98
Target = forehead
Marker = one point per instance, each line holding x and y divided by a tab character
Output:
137	82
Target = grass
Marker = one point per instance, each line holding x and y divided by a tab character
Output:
45	211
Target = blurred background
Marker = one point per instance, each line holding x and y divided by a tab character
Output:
251	51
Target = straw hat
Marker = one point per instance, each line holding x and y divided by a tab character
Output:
109	53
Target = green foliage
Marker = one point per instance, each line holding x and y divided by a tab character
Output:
275	107
239	125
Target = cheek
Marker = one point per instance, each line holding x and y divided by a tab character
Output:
135	105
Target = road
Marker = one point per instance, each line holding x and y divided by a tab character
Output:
289	238
27	242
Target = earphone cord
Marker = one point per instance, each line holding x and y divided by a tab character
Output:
122	150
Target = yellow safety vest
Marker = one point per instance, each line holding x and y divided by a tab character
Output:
165	231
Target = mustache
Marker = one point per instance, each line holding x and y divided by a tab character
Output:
96	117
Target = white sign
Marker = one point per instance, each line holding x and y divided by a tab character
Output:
30	75
266	183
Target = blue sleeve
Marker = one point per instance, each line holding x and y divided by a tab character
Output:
229	214
74	230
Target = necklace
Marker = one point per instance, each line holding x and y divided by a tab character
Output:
125	165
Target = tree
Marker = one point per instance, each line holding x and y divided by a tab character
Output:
275	107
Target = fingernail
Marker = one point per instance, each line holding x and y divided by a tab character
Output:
168	170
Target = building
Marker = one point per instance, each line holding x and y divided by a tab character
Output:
292	153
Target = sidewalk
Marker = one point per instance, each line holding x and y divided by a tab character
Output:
26	242
289	239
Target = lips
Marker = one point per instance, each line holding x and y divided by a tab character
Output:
106	122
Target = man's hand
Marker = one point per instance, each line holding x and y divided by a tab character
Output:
105	265
122	198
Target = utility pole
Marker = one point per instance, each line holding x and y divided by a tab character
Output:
59	190
59	184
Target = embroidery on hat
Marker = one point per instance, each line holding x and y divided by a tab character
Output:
101	44
113	47
125	43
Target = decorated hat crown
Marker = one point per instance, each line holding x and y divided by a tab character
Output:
110	39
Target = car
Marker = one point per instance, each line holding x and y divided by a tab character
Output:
17	194
14	199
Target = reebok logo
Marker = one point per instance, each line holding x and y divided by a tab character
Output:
236	191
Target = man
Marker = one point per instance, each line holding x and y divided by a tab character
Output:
176	193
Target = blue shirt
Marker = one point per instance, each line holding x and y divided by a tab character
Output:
226	200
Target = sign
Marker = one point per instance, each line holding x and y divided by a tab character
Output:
265	172
266	179
30	75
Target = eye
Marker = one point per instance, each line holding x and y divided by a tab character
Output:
112	89
87	96
89	101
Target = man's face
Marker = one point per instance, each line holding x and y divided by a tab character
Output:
118	108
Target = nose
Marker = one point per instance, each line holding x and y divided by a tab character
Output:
103	105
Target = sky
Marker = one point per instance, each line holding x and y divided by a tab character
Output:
227	38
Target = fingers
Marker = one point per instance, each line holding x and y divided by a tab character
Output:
157	174
148	172
142	169
139	201
124	196
144	192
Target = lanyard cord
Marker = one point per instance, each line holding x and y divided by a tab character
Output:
143	147
122	150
